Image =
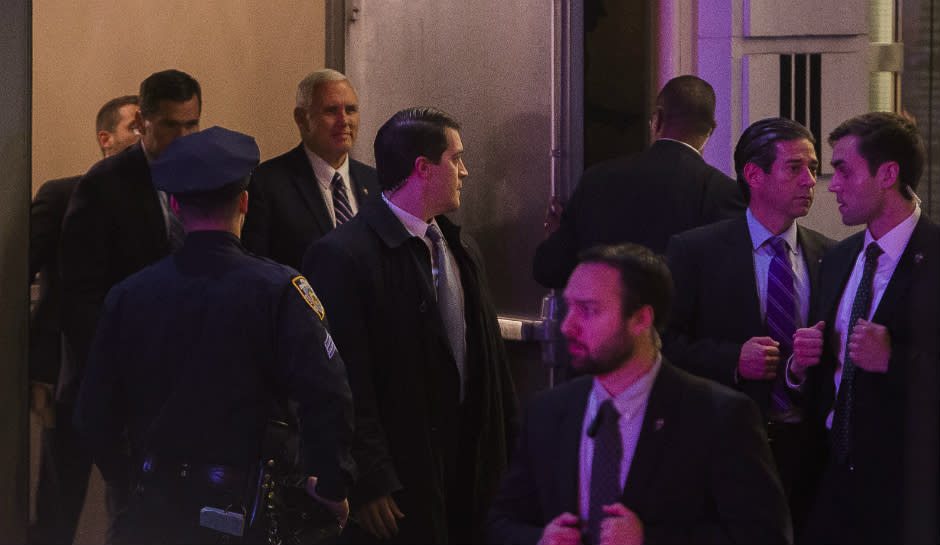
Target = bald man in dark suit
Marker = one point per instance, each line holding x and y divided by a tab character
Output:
647	197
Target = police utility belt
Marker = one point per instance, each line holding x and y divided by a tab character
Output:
269	500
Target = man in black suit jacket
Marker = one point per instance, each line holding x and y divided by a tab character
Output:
647	197
690	460
721	327
292	201
863	374
433	398
117	223
64	465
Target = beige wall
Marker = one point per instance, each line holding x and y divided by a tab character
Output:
248	55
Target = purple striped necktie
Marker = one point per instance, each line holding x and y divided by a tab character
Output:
341	207
781	319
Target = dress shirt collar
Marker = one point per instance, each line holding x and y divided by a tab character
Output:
697	152
415	225
629	401
894	241
760	234
324	171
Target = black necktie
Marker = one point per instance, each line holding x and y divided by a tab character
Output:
605	468
842	419
341	207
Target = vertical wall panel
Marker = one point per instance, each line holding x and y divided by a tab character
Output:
14	294
247	55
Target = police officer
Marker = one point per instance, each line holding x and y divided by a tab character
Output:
194	355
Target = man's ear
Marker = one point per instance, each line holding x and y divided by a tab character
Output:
642	320
656	121
753	175
422	166
300	117
888	174
139	121
104	140
243	202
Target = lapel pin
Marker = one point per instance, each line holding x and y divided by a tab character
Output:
918	257
365	190
659	424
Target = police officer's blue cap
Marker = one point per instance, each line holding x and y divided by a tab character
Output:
214	162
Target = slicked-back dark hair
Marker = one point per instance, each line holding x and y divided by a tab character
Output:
407	135
108	116
884	137
758	145
644	278
167	85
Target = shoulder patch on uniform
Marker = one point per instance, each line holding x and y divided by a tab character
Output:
307	292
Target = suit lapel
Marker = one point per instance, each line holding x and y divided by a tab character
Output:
895	294
812	255
140	183
356	173
305	182
395	236
736	266
650	445
569	441
834	284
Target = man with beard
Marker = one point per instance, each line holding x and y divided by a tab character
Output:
636	450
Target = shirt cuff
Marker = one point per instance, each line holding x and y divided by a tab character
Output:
792	381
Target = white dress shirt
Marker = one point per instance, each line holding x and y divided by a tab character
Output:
324	173
763	254
892	244
631	404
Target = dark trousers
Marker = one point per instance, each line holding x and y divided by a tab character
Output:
794	459
850	509
64	469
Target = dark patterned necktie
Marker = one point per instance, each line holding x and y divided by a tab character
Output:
842	419
605	468
447	284
341	207
781	319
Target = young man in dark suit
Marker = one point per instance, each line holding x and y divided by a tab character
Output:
870	366
647	197
637	451
744	285
303	194
117	224
411	314
64	465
